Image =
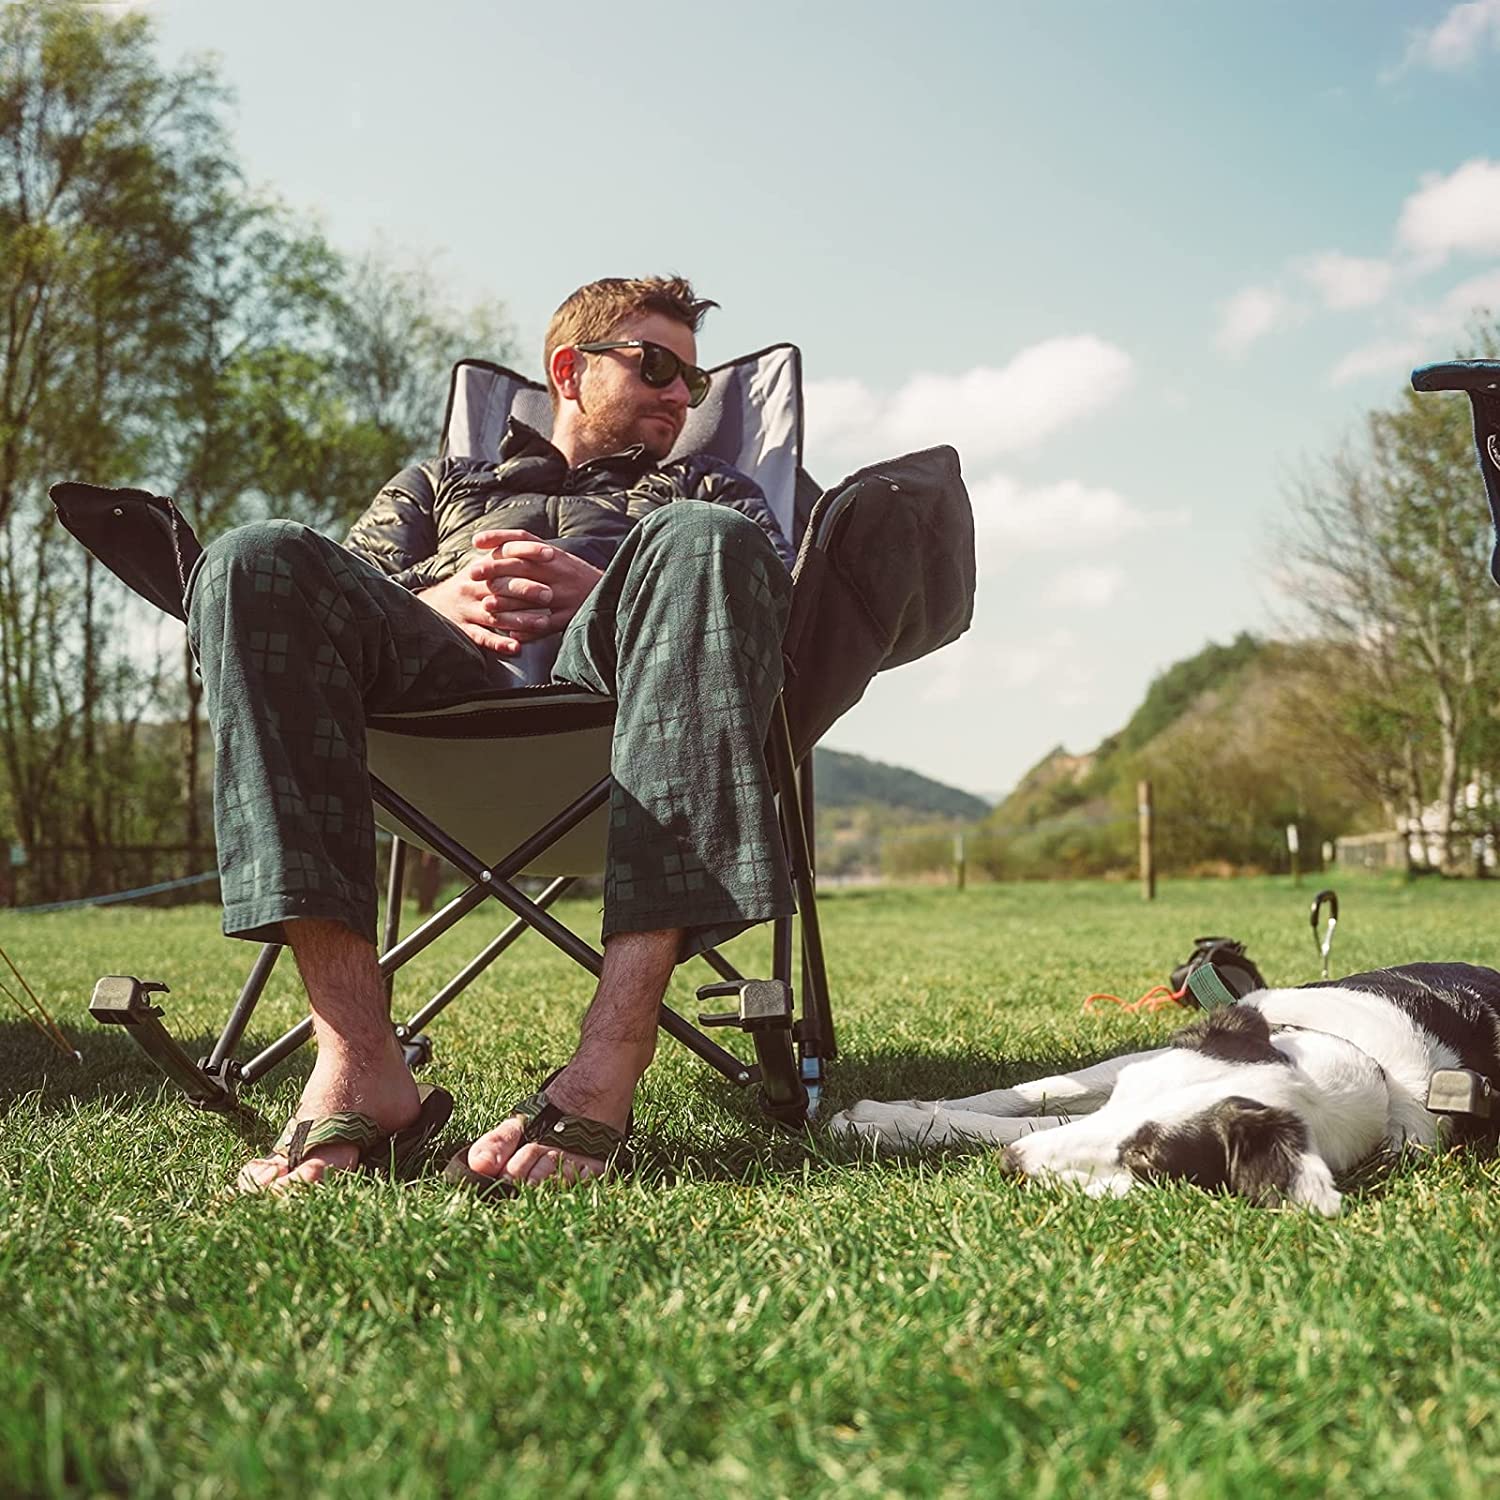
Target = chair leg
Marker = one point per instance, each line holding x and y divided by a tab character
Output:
244	1008
123	1000
817	1036
789	1083
395	883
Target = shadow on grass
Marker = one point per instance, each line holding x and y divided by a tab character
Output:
904	1074
109	1065
774	1156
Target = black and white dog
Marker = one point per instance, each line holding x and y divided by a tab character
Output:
1269	1099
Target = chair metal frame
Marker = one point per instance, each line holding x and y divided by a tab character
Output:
792	1051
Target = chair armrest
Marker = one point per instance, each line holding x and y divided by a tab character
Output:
1458	375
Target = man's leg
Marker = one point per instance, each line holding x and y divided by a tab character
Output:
297	641
615	1046
684	631
360	1065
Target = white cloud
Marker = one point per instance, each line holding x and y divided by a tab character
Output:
949	670
1459	38
983	412
1430	332
1026	663
838	411
1250	315
1457	213
1382	357
1010	520
1090	586
1345	281
1056	667
1478	293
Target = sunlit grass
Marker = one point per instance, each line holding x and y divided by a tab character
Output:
751	1313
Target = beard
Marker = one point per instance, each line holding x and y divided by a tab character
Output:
612	425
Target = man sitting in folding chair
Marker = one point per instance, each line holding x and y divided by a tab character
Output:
676	611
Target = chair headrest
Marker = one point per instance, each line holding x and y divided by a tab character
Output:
751	418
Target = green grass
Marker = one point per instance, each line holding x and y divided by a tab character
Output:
751	1314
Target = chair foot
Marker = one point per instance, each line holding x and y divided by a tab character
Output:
416	1047
812	1080
765	1012
123	1000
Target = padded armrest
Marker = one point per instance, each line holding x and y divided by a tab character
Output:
1458	375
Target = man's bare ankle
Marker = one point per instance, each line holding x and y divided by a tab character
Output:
594	1073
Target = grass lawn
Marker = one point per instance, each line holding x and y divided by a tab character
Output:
751	1314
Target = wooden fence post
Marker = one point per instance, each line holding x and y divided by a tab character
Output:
1148	850
959	863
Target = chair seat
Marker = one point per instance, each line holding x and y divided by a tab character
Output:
492	771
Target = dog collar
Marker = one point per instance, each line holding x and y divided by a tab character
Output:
1209	989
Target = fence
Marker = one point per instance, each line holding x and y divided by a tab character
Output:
60	872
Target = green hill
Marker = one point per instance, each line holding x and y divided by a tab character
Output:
1087	784
1232	740
843	780
1232	743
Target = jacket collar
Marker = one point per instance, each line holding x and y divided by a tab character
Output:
611	472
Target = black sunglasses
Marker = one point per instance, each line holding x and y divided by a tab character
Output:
659	366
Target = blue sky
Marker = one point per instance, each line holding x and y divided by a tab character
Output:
1139	263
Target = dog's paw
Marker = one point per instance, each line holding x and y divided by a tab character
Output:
884	1124
1313	1187
882	1109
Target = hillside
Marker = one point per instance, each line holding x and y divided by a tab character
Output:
866	809
843	780
1060	782
1231	742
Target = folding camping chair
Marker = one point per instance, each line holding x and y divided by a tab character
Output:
1462	1091
552	824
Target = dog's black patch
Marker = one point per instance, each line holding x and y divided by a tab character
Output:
1235	1033
1191	1151
1459	1004
1239	1144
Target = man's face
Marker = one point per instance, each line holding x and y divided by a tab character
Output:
616	408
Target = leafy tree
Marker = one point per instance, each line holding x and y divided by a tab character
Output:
159	325
96	144
1388	558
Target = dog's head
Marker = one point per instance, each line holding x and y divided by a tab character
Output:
1218	1109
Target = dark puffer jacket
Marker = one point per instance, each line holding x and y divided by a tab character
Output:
421	526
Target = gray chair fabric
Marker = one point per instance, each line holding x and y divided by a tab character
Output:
539	748
751	418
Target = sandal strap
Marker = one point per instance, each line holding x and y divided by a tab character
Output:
548	1125
348	1127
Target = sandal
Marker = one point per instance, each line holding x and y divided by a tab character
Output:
383	1153
546	1123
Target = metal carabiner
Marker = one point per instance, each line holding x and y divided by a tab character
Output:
1331	900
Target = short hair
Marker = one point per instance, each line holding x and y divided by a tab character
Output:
594	312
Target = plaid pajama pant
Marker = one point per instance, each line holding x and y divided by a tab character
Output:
298	640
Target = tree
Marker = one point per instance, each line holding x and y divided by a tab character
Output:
161	326
308	382
96	145
1389	555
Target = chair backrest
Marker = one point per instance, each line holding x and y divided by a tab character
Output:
751	418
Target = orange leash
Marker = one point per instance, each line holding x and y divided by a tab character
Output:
1158	997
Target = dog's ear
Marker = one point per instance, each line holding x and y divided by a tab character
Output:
1266	1155
1257	1152
1235	1033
